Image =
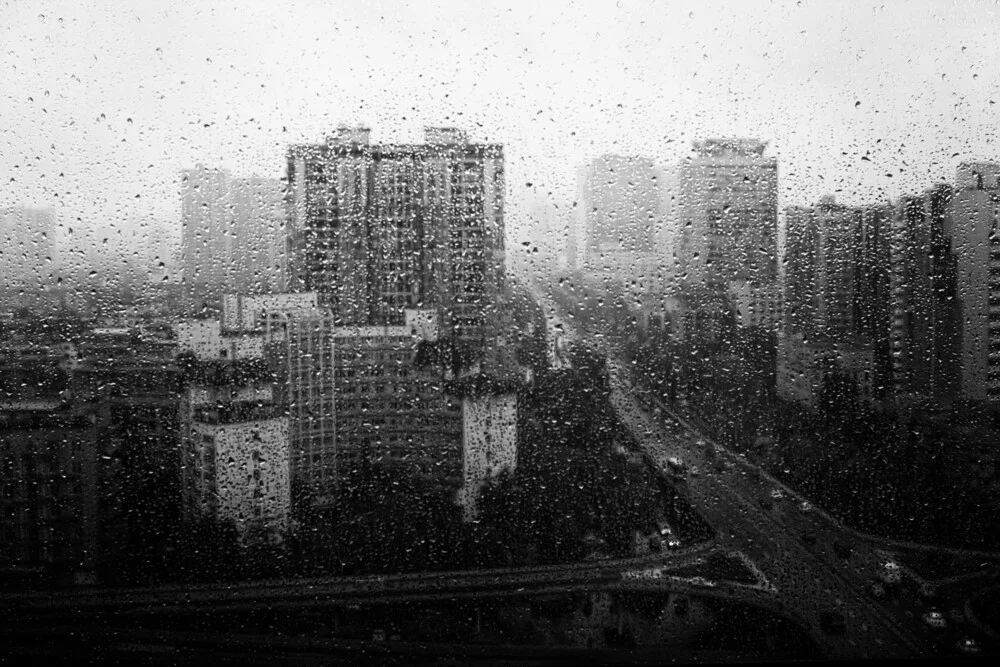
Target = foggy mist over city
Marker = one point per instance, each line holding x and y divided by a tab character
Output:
562	332
144	92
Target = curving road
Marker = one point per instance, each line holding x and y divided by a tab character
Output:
793	548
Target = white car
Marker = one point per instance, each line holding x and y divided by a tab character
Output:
969	645
702	581
776	494
805	506
935	619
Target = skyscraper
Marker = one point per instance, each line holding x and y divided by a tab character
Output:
925	326
728	204
620	212
971	219
824	269
378	229
232	234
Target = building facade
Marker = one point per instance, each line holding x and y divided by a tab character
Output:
377	229
232	234
619	213
728	214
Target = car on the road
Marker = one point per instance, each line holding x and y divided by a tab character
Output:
776	494
667	536
702	581
935	619
694	471
832	623
970	646
805	506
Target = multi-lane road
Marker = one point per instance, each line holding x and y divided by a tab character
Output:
791	543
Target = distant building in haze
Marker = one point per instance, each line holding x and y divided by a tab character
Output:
727	214
28	257
232	237
925	332
619	210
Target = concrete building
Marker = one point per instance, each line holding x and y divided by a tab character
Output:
378	229
925	331
835	281
971	221
389	407
28	253
489	445
804	364
728	214
50	472
298	345
756	306
619	214
232	236
235	456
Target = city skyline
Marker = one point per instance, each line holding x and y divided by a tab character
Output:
830	110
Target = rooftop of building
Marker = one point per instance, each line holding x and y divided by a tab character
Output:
730	145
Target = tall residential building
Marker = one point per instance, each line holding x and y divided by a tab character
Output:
235	453
378	229
50	472
728	214
27	250
619	207
390	409
925	332
297	339
822	269
971	221
232	234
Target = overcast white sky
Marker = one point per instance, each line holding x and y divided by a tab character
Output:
103	103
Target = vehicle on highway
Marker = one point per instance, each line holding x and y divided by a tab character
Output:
805	506
677	467
695	472
832	623
969	645
935	619
667	536
776	494
702	581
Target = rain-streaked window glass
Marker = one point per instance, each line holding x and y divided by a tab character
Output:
495	331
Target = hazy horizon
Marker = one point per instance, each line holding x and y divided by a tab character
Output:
104	107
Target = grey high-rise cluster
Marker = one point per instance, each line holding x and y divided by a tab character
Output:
377	229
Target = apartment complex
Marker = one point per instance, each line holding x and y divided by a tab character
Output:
728	214
377	229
